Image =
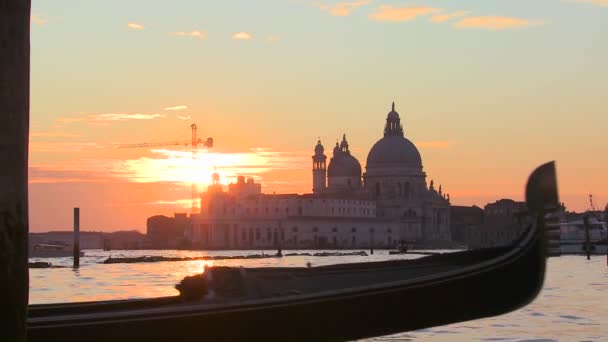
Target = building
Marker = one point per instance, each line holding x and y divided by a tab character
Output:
389	203
463	218
125	239
501	224
167	232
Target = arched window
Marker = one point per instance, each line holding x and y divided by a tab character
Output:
377	189
406	190
399	192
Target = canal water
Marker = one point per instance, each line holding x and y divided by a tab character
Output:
573	305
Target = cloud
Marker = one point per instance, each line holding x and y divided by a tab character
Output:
124	116
390	13
195	34
68	120
242	36
494	23
178	166
54	135
135	26
273	38
38	20
80	170
435	144
602	3
187	117
183	203
341	9
50	174
442	17
61	146
181	107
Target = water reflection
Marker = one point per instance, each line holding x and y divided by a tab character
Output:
571	307
95	280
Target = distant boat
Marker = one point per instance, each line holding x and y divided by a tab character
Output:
42	250
573	235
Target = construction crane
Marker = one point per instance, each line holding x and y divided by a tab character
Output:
194	142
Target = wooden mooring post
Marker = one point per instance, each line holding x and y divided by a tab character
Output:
76	237
587	238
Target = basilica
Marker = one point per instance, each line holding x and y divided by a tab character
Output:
388	204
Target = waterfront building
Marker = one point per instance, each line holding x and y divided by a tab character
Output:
388	204
167	232
463	218
501	224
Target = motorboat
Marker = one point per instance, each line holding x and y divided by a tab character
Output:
43	250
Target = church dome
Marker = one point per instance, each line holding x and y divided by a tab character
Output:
343	164
393	148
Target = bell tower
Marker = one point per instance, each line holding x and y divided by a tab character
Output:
319	169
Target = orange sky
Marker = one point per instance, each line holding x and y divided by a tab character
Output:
487	90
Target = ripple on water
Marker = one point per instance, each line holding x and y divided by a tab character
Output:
569	288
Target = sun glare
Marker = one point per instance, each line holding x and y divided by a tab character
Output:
183	167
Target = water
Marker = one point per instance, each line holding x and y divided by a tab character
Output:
573	305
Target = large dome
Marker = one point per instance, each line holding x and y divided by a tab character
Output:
344	166
394	150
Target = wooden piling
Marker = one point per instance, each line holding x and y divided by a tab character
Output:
76	237
587	238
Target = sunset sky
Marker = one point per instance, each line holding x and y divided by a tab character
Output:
487	90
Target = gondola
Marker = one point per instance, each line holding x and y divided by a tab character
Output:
337	302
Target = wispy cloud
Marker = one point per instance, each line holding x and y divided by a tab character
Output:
61	146
181	107
135	26
68	120
105	119
194	34
183	203
443	17
390	13
50	134
603	3
242	36
38	19
186	117
341	9
435	144
274	38
124	116
495	22
178	166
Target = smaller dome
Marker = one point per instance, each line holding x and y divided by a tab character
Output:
344	165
